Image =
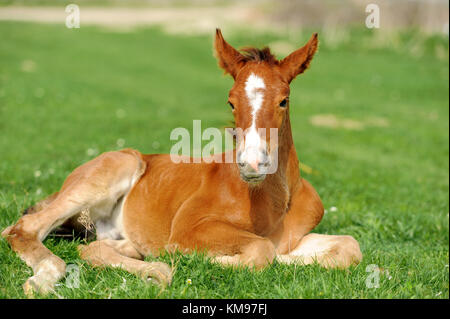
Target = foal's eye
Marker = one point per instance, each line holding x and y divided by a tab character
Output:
231	105
283	103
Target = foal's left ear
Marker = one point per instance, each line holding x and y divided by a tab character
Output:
298	61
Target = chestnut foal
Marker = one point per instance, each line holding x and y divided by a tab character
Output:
143	204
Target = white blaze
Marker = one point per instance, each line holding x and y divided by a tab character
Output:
253	88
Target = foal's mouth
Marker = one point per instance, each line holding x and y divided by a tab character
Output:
253	178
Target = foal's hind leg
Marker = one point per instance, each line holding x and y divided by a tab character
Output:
41	205
121	254
102	180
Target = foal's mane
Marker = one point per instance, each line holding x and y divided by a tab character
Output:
258	55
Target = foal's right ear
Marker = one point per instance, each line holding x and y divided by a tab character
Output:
230	60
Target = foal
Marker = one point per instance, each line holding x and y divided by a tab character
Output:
240	212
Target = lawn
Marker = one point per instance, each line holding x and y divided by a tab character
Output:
370	123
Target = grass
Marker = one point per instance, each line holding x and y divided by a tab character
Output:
67	95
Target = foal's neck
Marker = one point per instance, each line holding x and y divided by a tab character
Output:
288	168
278	187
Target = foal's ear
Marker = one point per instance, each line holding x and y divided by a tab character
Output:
230	60
298	61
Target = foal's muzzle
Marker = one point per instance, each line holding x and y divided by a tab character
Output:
253	165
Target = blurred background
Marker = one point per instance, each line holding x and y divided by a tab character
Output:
429	16
370	117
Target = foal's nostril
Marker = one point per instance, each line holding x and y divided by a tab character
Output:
263	164
266	160
241	164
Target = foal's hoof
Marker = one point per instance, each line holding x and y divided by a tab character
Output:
47	274
157	273
35	285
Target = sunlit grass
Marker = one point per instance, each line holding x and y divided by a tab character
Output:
67	96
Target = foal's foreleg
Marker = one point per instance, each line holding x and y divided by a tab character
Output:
103	179
295	243
329	251
229	245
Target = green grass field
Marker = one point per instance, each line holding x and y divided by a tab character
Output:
67	95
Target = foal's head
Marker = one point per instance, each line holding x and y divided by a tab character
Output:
259	100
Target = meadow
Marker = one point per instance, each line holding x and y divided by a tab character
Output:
370	123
